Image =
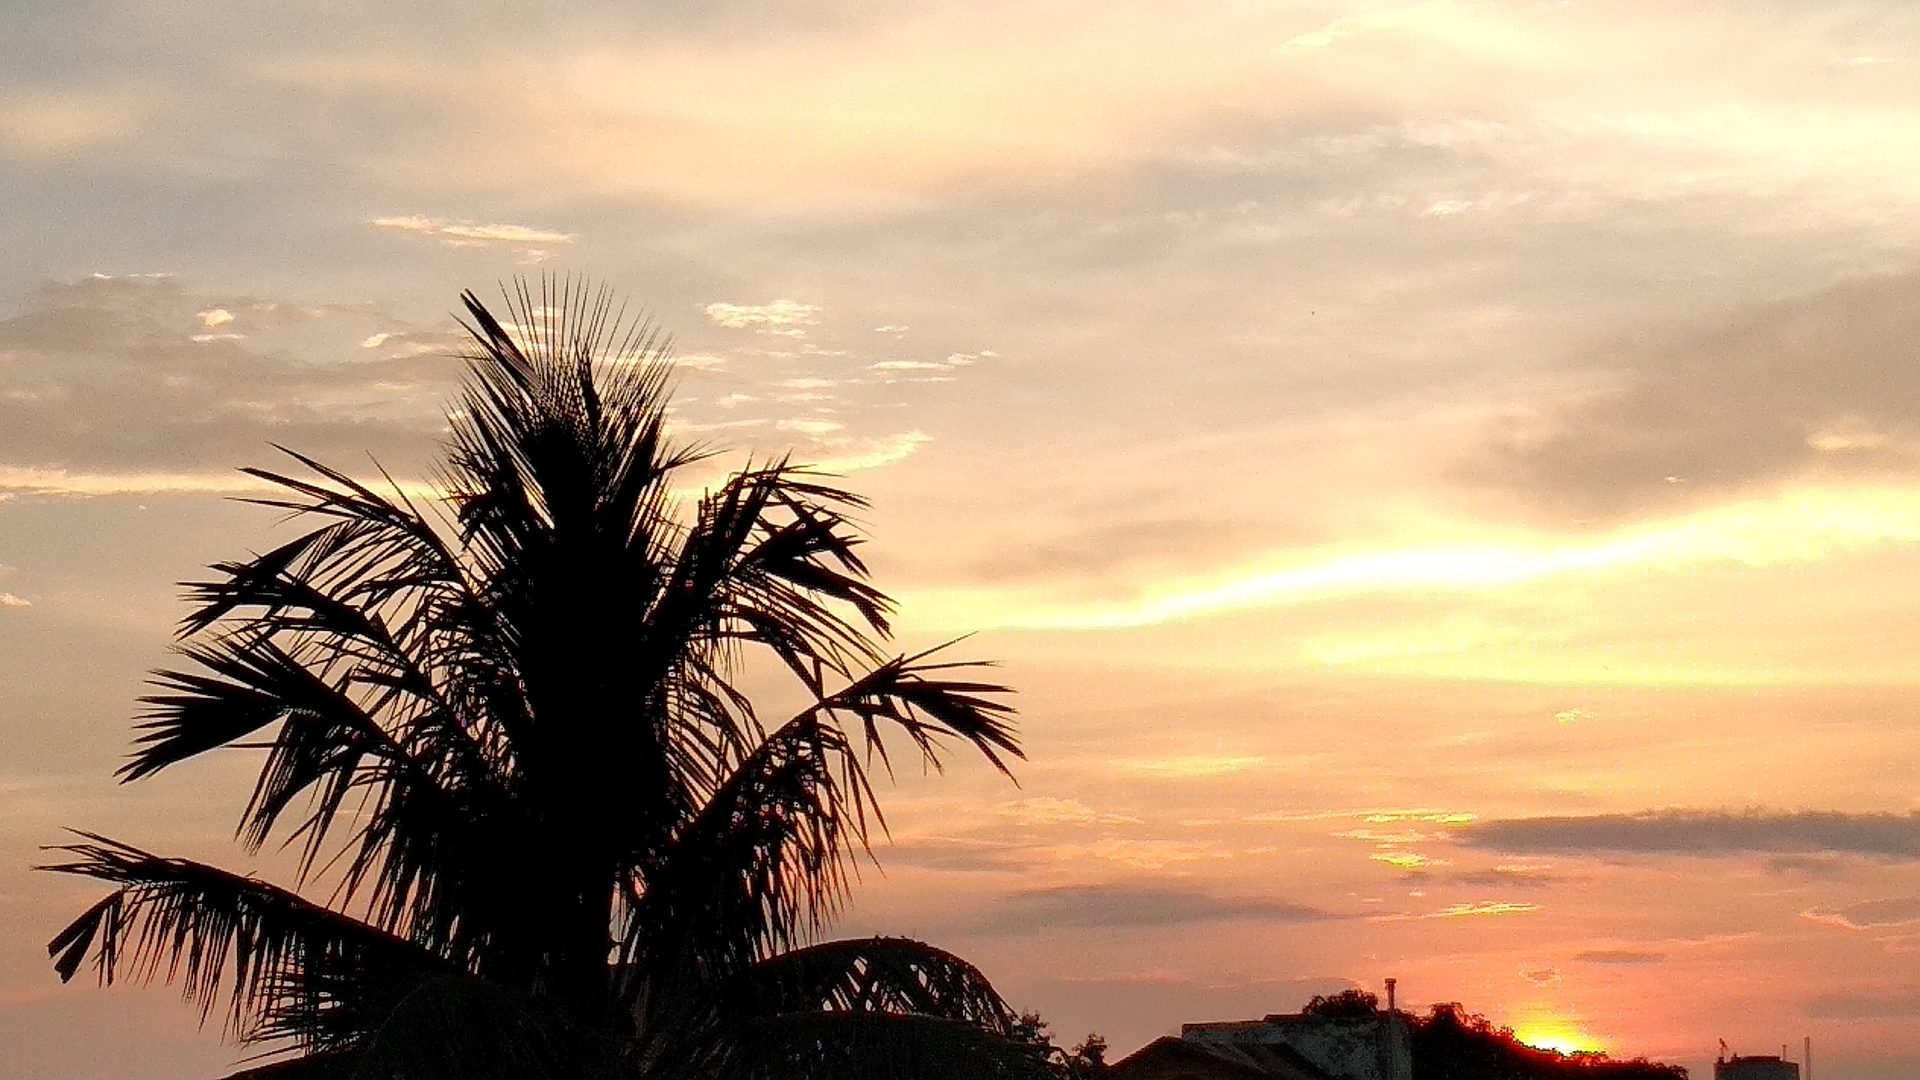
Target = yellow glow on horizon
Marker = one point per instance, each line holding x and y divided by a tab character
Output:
1561	1036
1793	527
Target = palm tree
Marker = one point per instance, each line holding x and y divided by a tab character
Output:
511	732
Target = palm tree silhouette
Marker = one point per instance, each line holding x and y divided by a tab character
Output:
512	733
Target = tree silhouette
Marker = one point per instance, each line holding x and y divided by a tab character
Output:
1348	1002
1450	1043
512	733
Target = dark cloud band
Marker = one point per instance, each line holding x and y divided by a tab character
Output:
1104	906
1704	833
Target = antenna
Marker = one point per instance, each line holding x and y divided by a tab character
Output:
1806	1057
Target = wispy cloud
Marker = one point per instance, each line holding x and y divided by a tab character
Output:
1371	817
1818	386
39	126
106	390
1619	957
953	854
1796	526
458	233
11	602
1889	1002
778	316
1893	911
810	425
1056	811
1183	766
1483	908
856	455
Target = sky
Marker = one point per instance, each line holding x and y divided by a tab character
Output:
1444	477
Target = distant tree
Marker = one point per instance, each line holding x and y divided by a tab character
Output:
1345	1003
1450	1043
1086	1061
1089	1059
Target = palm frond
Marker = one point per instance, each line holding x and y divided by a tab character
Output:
764	863
880	974
221	935
327	1065
456	1027
329	741
877	1046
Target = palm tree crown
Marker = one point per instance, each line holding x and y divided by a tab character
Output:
565	843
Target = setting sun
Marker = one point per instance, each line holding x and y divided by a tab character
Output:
1559	1037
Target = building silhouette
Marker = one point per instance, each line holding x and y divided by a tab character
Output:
1755	1067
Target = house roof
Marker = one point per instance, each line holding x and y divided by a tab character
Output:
1174	1058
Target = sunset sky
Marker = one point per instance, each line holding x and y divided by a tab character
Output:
1444	477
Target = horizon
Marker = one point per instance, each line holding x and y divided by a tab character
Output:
1443	478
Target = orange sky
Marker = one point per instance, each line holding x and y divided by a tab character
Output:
1444	477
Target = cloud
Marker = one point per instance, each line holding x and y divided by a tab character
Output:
1054	811
845	455
1132	906
1704	833
1185	766
1794	526
776	316
1146	854
1811	867
1818	387
1507	876
911	370
1483	908
1622	957
42	127
1405	860
1542	976
699	361
958	855
456	233
1879	1003
810	425
8	601
1893	911
116	386
142	385
409	343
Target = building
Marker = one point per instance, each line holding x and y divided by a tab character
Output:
1378	1047
1174	1058
1283	1046
1755	1067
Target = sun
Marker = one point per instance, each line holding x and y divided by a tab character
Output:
1557	1036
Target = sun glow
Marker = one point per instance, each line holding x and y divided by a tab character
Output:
1799	526
1558	1036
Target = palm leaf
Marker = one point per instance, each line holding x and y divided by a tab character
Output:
764	863
880	974
878	1046
221	935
